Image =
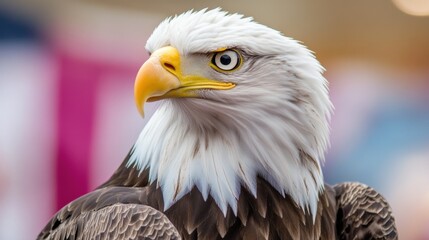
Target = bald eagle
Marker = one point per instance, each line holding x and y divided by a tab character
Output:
235	149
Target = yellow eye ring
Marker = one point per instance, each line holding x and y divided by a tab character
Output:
226	61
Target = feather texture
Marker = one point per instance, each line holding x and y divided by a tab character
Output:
363	213
347	211
141	203
110	213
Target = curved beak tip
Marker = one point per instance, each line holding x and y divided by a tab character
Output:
140	102
141	111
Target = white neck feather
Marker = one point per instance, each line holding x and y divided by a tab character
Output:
183	148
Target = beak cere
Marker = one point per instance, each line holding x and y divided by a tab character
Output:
161	77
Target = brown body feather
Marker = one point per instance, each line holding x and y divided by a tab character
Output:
125	207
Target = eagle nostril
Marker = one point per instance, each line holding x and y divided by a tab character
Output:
169	66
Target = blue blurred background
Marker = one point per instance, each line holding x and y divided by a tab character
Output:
67	116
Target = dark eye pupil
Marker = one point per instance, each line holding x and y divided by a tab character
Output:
225	59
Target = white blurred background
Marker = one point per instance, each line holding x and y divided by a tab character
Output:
67	116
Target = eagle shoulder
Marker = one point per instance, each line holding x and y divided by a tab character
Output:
363	213
110	213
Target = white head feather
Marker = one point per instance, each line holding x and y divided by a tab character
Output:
273	124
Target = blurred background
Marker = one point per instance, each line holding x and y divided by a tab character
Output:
67	115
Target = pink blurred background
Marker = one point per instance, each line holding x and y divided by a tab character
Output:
67	116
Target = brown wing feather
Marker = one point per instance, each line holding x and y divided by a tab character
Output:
110	213
119	221
363	213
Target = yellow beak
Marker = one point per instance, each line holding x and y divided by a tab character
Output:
161	77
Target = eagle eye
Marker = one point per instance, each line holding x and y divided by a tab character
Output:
227	60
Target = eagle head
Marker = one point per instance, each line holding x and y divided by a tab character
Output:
240	101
